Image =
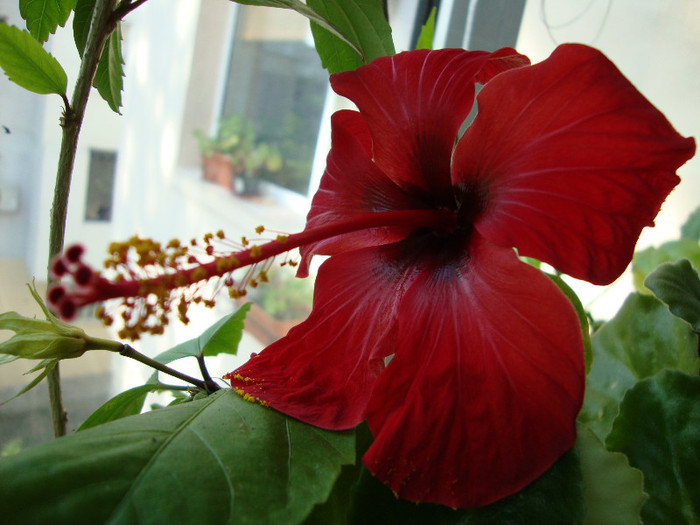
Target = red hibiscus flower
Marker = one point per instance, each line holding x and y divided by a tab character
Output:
466	362
566	162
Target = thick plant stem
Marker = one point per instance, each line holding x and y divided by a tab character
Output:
101	26
207	386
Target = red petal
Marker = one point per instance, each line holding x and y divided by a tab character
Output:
413	104
482	395
353	185
572	160
322	372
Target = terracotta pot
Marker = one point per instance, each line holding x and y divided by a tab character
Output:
219	170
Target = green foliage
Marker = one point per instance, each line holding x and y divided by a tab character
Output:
646	261
216	460
308	12
44	16
81	23
222	337
363	21
44	368
640	341
236	139
612	489
49	339
582	318
677	284
425	39
109	78
691	229
556	497
284	297
127	403
28	64
659	430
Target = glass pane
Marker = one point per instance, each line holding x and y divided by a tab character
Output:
277	82
98	206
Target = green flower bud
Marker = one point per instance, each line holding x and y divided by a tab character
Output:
47	339
36	339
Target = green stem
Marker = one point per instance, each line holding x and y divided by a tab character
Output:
101	26
128	351
126	7
208	381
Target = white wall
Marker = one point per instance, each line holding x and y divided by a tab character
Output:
20	154
29	157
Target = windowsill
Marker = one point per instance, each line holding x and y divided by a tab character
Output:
276	208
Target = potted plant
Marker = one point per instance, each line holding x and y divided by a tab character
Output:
264	158
234	157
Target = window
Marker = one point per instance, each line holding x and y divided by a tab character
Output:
98	204
276	81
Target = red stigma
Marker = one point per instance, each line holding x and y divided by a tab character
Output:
55	294
58	267
83	275
67	309
74	253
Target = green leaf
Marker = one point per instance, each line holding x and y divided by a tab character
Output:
6	358
641	340
612	489
47	366
555	497
308	12
216	460
691	229
677	284
109	78
127	403
425	39
81	23
363	22
582	318
336	509
659	430
648	260
222	337
28	64
44	16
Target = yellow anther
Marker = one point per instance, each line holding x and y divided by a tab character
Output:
253	283
262	276
207	237
244	241
228	263
255	251
281	238
198	274
220	234
259	229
